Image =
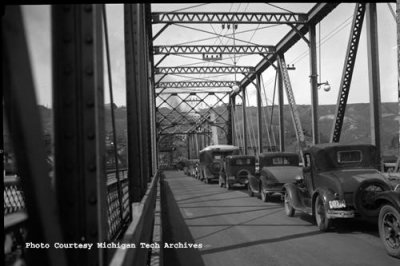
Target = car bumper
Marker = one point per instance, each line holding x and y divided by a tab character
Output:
233	180
340	214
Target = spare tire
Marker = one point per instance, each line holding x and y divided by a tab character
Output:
365	195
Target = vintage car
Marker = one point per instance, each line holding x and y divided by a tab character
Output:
276	169
389	220
211	158
338	181
236	169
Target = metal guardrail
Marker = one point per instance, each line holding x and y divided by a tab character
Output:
140	229
13	195
117	222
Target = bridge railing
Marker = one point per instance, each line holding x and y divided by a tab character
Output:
118	216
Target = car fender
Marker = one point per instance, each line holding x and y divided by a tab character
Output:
326	196
389	197
292	190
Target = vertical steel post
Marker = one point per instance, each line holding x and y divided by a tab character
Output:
132	104
314	83
24	123
229	123
281	112
374	78
233	125
78	101
398	63
259	124
244	120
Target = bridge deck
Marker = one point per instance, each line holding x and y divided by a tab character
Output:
235	229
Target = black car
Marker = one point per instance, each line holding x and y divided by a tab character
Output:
389	221
338	181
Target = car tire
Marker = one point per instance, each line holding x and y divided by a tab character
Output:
289	210
321	220
250	191
389	217
264	196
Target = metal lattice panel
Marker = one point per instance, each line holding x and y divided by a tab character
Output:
215	49
196	84
292	102
179	113
203	70
348	71
229	17
13	197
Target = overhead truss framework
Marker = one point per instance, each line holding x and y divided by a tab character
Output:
229	17
214	49
196	84
173	118
203	70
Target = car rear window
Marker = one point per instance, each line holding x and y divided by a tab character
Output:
280	161
354	156
243	161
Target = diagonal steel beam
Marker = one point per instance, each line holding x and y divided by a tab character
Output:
315	15
348	71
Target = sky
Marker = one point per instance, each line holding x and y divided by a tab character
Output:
334	33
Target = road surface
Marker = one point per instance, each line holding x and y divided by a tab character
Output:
235	229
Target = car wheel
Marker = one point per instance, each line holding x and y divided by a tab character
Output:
322	221
289	210
250	191
389	230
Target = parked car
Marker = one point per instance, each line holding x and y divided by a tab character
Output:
389	221
211	158
338	181
276	169
236	169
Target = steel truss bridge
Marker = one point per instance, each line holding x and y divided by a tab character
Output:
86	200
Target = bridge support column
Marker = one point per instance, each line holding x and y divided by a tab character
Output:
314	84
259	124
281	116
374	78
78	101
244	120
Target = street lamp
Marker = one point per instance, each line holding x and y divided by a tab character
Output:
324	85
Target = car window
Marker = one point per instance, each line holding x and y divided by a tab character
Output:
307	160
242	162
349	156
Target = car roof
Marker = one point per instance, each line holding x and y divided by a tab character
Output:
220	148
240	156
276	154
331	146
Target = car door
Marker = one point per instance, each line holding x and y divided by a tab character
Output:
307	187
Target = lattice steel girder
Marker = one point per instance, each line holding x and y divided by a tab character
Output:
214	49
315	15
203	70
229	17
352	47
196	84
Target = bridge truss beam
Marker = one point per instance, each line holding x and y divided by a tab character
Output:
359	14
214	49
204	70
197	84
316	14
230	17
